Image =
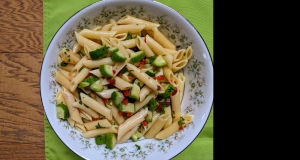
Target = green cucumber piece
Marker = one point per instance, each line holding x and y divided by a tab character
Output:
128	108
135	92
150	73
137	56
159	61
118	56
169	88
111	140
91	79
83	84
117	98
149	116
136	135
101	139
106	70
150	59
62	111
97	86
112	50
98	53
138	82
152	104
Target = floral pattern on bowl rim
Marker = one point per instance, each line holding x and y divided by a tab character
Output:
193	97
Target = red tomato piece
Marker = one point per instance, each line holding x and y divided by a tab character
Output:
160	77
145	123
129	114
180	127
120	113
125	101
126	93
174	92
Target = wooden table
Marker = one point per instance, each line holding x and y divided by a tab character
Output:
21	55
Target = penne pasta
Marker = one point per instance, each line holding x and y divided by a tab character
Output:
96	63
175	104
132	28
154	118
128	134
181	80
94	34
67	74
121	36
118	44
106	41
68	56
78	78
157	126
79	127
77	68
76	48
162	40
179	65
174	127
85	41
168	73
106	93
138	105
144	92
188	53
74	112
179	55
133	20
131	43
122	84
102	123
106	27
100	131
88	110
61	79
141	44
115	113
169	121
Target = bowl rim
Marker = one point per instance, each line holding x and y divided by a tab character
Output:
159	3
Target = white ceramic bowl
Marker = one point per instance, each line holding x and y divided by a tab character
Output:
198	93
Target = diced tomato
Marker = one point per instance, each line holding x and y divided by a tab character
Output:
129	114
145	123
126	93
181	127
168	101
145	39
114	71
160	77
111	81
104	100
90	74
141	65
120	113
174	92
95	119
120	75
130	78
125	101
159	108
144	61
93	95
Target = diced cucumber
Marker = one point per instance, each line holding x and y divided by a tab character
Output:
98	53
101	139
118	56
152	104
159	61
136	135
169	88
149	116
139	83
83	84
128	108
117	97
125	77
106	70
150	72
111	140
97	86
91	79
112	50
137	56
150	59
135	92
62	111
129	36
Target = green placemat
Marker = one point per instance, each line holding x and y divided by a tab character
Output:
198	12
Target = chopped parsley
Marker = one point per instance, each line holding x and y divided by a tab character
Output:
80	69
181	121
98	126
63	64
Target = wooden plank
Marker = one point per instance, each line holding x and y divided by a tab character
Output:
21	111
21	26
22	151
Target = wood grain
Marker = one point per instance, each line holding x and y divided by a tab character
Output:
21	111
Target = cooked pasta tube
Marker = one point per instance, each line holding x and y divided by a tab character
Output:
119	66
93	104
174	127
90	111
169	59
84	41
131	43
156	47
133	28
93	34
169	121
122	84
179	65
141	44
146	79
71	121
168	73
157	126
181	80
131	122
144	92
118	44
128	134
79	127
68	56
96	72
138	105
85	115
97	28
113	22
61	79
78	66
162	39
79	78
74	112
106	41
179	55
175	104
98	99
171	51
67	74
154	118
91	64
121	36
97	124
115	113
100	131
188	53
76	48
106	93
59	97
106	27
133	20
